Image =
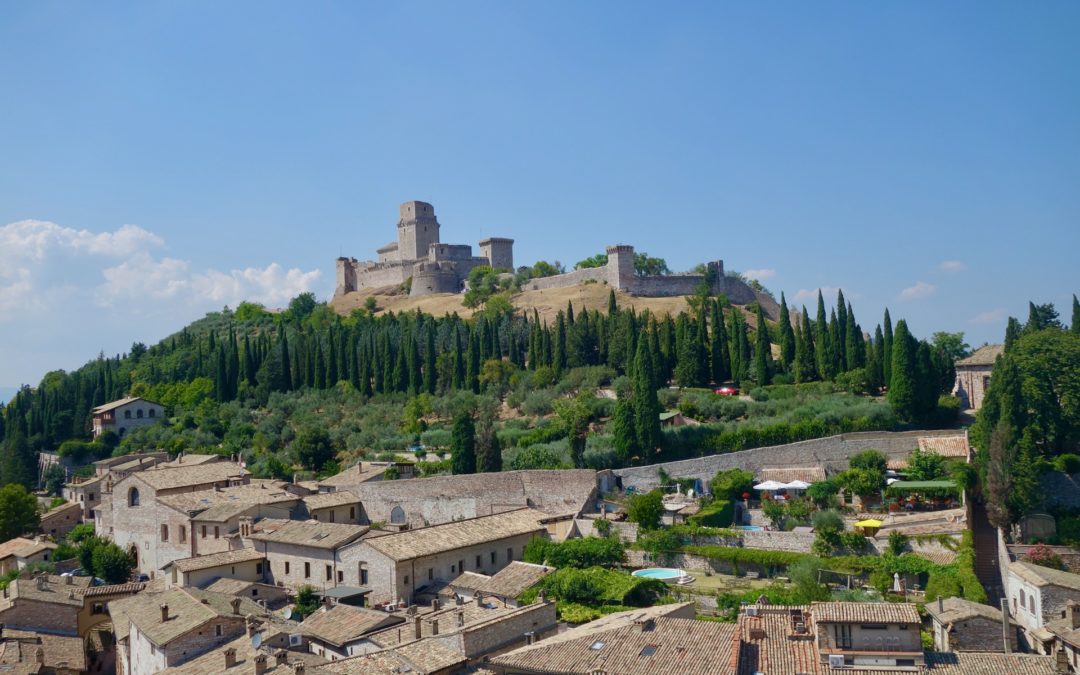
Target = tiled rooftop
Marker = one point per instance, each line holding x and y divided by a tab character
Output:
946	446
119	403
810	474
864	612
213	662
344	623
1045	576
959	609
307	532
202	562
512	580
18	651
53	589
771	646
22	547
419	658
187	611
429	541
326	500
983	356
175	477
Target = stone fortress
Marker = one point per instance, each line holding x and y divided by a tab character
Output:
442	268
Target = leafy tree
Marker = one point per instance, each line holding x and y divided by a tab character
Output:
1041	317
463	444
54	478
18	512
313	448
543	268
488	450
871	459
301	307
573	417
306	602
586	552
823	493
112	563
863	482
598	260
646	509
804	575
775	512
898	543
926	465
647	266
731	484
951	344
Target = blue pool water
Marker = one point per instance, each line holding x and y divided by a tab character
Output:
752	528
659	573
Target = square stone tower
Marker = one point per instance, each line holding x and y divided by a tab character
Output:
499	251
620	266
417	230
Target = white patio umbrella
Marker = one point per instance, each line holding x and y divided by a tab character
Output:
796	485
770	485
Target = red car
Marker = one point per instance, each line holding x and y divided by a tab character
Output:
727	391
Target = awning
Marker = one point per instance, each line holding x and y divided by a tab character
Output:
770	485
916	485
869	522
796	485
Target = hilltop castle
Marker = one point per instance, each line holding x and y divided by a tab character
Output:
433	266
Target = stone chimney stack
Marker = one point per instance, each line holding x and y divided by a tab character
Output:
461	618
1061	661
164	613
436	605
67	581
235	602
1073	609
434	626
260	664
940	604
281	657
230	658
298	668
417	630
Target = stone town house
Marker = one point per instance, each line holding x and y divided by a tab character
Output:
137	519
1037	596
973	375
126	414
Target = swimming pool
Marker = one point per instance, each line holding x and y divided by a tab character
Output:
662	573
751	528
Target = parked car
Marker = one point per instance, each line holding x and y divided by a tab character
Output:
726	390
77	572
138	576
97	581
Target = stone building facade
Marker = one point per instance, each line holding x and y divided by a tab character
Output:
418	254
973	375
126	414
1037	596
960	625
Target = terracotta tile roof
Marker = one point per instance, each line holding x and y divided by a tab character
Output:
307	532
22	547
341	624
946	446
141	462
61	652
1045	576
187	611
983	356
120	403
810	474
213	662
175	477
219	505
54	589
459	534
203	562
864	612
353	475
660	647
421	658
59	510
109	462
195	460
473	614
959	609
771	645
129	588
512	580
469	581
326	500
988	663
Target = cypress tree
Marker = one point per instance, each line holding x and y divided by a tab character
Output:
488	450
625	434
463	444
286	374
646	404
320	367
558	351
837	354
473	369
762	350
429	359
903	388
720	358
875	374
810	371
613	307
787	336
840	342
332	375
412	362
886	348
1012	332
459	362
1075	325
853	338
823	343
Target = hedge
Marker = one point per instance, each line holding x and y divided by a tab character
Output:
719	514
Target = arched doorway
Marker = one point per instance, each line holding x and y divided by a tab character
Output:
397	516
133	551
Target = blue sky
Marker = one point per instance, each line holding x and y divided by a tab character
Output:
161	159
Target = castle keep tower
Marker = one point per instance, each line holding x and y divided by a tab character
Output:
417	230
499	252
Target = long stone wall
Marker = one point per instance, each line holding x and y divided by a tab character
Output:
569	279
831	452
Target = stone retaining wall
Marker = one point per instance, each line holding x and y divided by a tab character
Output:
832	452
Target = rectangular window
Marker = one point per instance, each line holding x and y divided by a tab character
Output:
286	567
217	532
307	570
217	630
430	574
329	573
493	557
352	513
406	579
478	563
91	496
204	532
874	626
509	554
98	608
461	565
331	515
363	577
258	568
340	577
183	534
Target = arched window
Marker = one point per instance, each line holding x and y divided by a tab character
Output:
397	516
133	497
1031	602
138	413
164	532
127	414
1023	598
151	413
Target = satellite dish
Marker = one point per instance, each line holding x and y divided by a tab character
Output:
256	640
288	612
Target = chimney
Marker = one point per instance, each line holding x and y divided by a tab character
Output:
1073	610
458	600
39	655
1061	661
281	657
1006	628
67	581
230	658
461	618
298	668
260	664
940	604
436	605
434	626
416	626
164	613
251	629
235	602
530	637
542	596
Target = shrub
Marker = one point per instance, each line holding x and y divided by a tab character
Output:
579	553
731	484
898	542
646	509
828	521
875	460
1041	554
1068	463
661	543
717	513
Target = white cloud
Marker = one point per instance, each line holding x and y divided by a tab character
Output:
920	290
828	293
34	240
952	266
760	275
991	316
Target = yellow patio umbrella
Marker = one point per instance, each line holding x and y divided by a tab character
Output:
869	524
